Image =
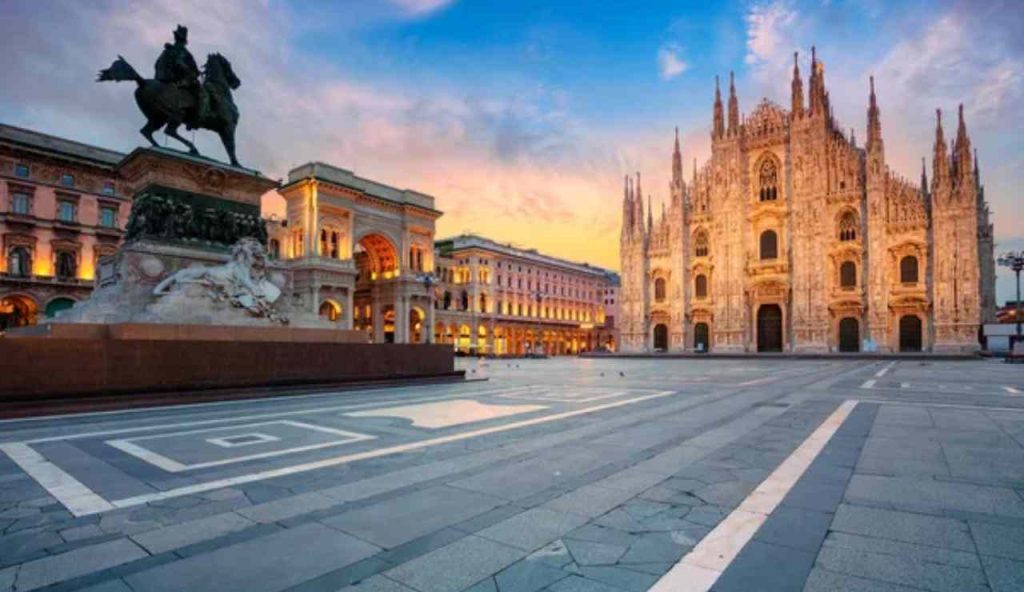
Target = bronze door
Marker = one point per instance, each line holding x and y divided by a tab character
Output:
660	338
849	335
769	328
910	333
701	337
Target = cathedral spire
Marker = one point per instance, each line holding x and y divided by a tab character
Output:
924	177
650	213
718	129
677	163
874	121
940	158
638	205
962	154
798	89
977	171
734	107
627	205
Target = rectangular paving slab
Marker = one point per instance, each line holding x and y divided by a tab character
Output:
267	564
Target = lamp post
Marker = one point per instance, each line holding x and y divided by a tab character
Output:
429	281
1015	261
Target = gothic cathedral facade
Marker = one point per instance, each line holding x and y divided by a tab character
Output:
793	238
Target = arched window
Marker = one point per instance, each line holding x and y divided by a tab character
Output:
769	245
700	286
66	265
848	227
483	303
848	275
19	262
447	300
769	180
465	301
659	290
908	270
324	246
330	311
700	244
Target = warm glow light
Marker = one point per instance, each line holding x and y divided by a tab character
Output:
42	267
87	271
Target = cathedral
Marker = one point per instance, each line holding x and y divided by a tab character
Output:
792	238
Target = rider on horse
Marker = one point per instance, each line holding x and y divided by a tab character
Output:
177	67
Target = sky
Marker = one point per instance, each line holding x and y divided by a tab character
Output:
522	118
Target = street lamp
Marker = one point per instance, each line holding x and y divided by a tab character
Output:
1015	261
429	280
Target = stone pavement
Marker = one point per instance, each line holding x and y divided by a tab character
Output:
561	475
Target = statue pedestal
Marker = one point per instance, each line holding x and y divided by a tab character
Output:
188	212
219	320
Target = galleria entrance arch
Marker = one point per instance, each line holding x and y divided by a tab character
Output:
363	245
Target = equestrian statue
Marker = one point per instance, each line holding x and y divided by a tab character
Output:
177	96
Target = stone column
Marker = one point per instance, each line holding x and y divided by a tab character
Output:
349	308
402	319
377	310
430	319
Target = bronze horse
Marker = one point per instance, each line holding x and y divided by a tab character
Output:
169	105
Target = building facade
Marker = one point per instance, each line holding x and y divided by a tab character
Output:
794	238
494	298
360	251
61	209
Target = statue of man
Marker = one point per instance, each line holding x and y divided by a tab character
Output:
177	67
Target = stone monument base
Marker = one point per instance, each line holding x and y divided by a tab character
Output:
68	360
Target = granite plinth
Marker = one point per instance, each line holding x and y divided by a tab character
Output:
113	359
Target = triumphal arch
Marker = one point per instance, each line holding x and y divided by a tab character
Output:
361	251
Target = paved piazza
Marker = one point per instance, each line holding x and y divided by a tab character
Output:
563	475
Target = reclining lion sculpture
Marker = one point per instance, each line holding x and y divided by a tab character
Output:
242	281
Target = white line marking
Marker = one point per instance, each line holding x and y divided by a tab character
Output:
75	496
240	440
700	568
904	385
945	405
257	416
882	372
868	384
337	460
172	466
1011	390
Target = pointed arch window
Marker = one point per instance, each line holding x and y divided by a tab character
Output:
700	286
848	275
700	244
848	227
659	290
908	270
769	245
768	180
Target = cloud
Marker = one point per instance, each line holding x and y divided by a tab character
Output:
421	7
670	61
769	32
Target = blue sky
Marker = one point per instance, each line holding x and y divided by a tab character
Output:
521	117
